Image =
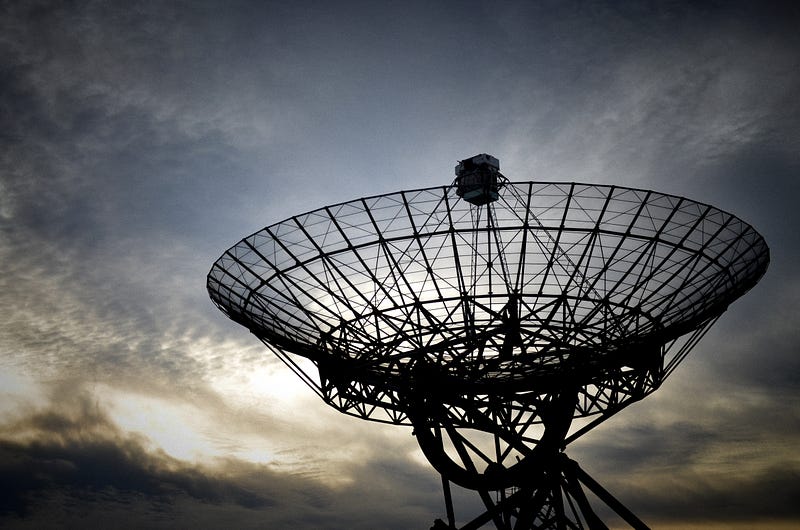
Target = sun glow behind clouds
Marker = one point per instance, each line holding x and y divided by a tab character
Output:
221	418
171	426
196	430
269	383
248	407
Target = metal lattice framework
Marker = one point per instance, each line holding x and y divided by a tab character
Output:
491	327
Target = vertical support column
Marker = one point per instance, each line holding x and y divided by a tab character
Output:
448	502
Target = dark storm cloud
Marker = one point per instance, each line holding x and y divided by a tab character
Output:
75	447
68	463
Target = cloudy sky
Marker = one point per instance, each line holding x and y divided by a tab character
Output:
139	140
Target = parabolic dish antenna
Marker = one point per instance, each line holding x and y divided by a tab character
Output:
502	320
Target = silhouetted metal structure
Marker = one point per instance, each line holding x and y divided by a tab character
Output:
501	320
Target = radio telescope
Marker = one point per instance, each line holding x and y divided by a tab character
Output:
500	320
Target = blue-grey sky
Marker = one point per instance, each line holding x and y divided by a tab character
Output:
138	140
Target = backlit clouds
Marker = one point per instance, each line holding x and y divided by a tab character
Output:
139	140
70	464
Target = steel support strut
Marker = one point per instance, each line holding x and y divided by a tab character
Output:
558	502
572	467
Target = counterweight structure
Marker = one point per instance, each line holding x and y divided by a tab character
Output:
500	320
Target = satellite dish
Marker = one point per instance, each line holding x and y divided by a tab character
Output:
502	320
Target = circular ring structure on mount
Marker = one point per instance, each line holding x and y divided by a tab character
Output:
551	286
